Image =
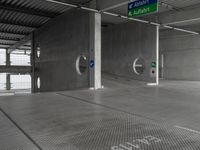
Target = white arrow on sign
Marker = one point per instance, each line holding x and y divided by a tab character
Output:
130	6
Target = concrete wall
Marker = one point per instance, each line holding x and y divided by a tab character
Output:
61	41
123	43
181	56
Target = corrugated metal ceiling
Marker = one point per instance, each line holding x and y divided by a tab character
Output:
181	3
20	17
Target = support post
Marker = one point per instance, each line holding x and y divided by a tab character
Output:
8	82
157	54
156	69
7	58
95	51
32	63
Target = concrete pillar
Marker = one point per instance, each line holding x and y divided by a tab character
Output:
33	88
95	51
7	58
157	59
8	82
157	54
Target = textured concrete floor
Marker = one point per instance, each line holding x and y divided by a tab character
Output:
125	115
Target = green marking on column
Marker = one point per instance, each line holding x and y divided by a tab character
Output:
153	64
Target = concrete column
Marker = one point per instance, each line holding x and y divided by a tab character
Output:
157	59
157	54
7	58
33	88
8	82
95	51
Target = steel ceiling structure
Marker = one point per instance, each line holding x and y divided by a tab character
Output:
19	18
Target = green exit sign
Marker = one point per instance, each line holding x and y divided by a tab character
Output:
153	64
142	7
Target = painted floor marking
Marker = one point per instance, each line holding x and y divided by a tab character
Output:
137	143
187	129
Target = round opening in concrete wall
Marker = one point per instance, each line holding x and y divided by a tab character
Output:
139	66
38	82
81	64
38	54
38	51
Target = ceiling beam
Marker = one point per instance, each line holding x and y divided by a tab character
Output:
12	45
5	44
22	42
189	15
122	17
28	11
183	21
7	41
13	32
167	5
15	69
18	24
19	49
116	6
162	4
23	48
9	38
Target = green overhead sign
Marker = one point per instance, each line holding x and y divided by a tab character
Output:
142	7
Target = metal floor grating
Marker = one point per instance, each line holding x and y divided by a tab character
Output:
57	122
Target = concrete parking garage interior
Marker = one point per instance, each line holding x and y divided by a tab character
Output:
87	75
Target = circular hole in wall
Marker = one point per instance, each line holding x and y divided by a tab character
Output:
81	64
38	82
38	50
139	66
